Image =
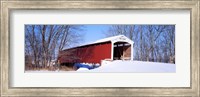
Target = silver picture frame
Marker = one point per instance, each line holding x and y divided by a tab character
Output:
8	5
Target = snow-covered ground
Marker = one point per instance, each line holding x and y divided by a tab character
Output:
134	66
128	66
41	71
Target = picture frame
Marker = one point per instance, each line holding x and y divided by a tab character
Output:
7	6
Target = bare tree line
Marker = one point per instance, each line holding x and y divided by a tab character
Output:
154	43
43	42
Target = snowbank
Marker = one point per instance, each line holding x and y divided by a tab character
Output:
120	66
82	69
135	66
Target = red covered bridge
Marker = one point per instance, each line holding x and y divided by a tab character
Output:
114	48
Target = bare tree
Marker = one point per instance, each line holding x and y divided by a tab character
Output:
43	42
151	42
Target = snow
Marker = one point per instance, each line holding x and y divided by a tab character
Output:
118	37
135	67
111	39
40	71
82	69
120	66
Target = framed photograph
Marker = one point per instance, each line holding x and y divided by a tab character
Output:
100	48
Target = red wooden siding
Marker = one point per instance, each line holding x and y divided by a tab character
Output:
88	54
